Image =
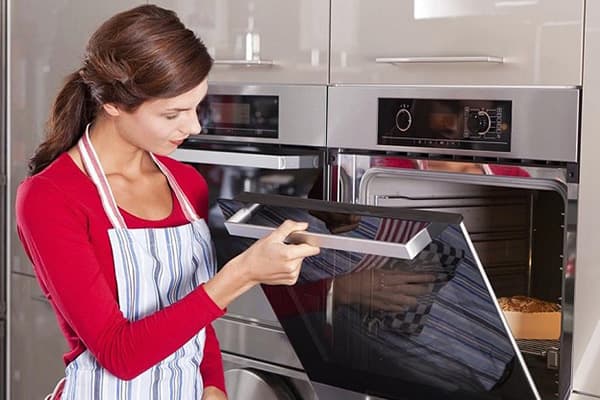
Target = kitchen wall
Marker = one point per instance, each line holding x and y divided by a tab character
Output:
587	282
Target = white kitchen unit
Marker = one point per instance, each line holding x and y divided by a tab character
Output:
462	42
46	42
586	329
262	41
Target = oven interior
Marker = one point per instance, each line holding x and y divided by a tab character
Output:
517	229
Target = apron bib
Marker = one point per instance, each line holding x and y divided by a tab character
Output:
154	268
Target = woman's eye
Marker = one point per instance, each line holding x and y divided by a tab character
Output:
171	116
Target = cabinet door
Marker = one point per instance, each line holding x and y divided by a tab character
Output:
270	41
48	40
36	343
481	42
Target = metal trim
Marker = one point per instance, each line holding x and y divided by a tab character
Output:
249	160
264	366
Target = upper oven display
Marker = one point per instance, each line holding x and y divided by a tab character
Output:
458	124
252	116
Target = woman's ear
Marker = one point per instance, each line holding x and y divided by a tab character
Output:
111	109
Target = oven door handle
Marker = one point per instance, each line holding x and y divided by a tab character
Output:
251	160
236	225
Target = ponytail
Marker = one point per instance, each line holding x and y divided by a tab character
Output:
72	110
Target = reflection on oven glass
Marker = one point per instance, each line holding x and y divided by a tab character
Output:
426	328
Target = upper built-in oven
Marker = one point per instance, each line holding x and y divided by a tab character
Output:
261	139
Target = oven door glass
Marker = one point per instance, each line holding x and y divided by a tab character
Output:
396	305
230	169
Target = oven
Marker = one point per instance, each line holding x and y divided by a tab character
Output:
442	204
257	138
504	158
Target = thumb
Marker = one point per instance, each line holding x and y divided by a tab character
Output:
285	229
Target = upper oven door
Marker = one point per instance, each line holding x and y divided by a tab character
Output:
396	305
257	138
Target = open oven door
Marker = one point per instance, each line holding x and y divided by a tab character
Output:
396	305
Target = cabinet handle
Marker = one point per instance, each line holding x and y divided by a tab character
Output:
440	60
247	63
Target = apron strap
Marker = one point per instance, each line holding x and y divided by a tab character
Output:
93	167
186	206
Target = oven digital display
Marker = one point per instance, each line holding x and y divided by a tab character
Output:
234	113
452	124
251	116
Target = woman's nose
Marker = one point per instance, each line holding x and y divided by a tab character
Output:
193	126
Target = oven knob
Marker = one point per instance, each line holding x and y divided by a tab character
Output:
479	122
403	120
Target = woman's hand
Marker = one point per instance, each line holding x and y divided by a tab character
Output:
273	262
269	260
213	393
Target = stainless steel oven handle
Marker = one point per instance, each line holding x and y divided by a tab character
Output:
236	226
247	63
252	160
440	60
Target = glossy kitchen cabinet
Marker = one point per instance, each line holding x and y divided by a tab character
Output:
462	42
36	343
47	42
262	41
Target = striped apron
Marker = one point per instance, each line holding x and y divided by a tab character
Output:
154	268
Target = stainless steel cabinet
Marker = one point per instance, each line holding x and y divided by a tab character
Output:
36	342
266	41
462	42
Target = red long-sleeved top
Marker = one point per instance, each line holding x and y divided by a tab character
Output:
63	228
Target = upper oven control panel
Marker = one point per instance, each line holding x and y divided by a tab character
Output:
455	124
288	115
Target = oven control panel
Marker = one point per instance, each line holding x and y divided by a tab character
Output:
446	123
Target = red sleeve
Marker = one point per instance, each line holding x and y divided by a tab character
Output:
54	235
211	367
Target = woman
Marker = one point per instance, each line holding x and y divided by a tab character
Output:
115	229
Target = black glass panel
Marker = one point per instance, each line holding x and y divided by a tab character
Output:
454	124
426	328
240	115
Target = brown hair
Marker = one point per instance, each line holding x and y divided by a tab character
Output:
141	54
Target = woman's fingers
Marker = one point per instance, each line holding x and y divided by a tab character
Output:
286	228
294	251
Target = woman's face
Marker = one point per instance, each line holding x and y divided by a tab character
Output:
159	126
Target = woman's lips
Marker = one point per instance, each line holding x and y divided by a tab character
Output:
177	142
